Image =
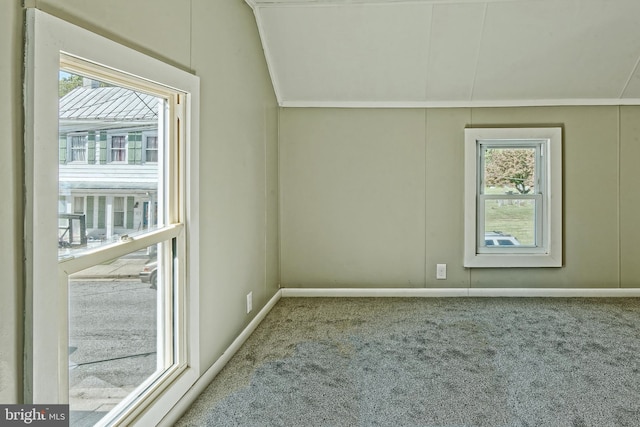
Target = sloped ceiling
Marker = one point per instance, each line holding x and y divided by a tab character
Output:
451	52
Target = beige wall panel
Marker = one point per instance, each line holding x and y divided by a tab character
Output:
159	28
238	168
590	198
444	198
629	196
352	191
11	177
272	215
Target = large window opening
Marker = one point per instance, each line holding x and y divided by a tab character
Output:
111	270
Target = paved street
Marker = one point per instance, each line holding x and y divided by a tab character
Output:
112	343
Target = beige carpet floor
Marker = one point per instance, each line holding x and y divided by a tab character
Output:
433	362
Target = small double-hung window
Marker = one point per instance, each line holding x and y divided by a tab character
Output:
513	197
78	148
118	148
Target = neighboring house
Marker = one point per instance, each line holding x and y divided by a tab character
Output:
108	139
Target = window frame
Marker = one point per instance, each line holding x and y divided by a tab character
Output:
47	39
537	196
547	194
71	149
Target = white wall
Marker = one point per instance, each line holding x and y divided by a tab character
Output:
375	197
238	155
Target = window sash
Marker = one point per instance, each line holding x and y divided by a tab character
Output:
539	183
539	243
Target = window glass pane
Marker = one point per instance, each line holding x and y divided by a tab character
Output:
514	218
102	125
509	170
115	337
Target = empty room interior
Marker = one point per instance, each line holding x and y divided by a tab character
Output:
312	186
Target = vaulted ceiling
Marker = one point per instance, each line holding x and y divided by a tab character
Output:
451	52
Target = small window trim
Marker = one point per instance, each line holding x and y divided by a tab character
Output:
549	252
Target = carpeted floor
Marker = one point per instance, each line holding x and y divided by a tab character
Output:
433	362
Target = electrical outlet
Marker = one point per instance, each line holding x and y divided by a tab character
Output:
249	302
441	271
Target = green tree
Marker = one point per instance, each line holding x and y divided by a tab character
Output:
67	84
515	166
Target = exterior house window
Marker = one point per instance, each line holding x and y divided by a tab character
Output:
118	211
78	148
118	148
513	197
151	148
78	205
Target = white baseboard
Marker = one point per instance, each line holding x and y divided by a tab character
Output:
374	292
462	292
199	386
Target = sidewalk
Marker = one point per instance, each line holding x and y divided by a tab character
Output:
121	268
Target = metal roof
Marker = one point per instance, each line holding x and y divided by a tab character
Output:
86	108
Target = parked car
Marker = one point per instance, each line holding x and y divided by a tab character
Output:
149	273
497	238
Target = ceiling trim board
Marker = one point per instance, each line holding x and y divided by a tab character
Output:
462	104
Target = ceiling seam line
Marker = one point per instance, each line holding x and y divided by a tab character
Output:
426	78
475	69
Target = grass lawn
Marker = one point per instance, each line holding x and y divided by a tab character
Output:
515	217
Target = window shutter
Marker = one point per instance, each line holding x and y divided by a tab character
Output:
134	147
102	211
89	217
103	148
91	158
130	201
63	150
